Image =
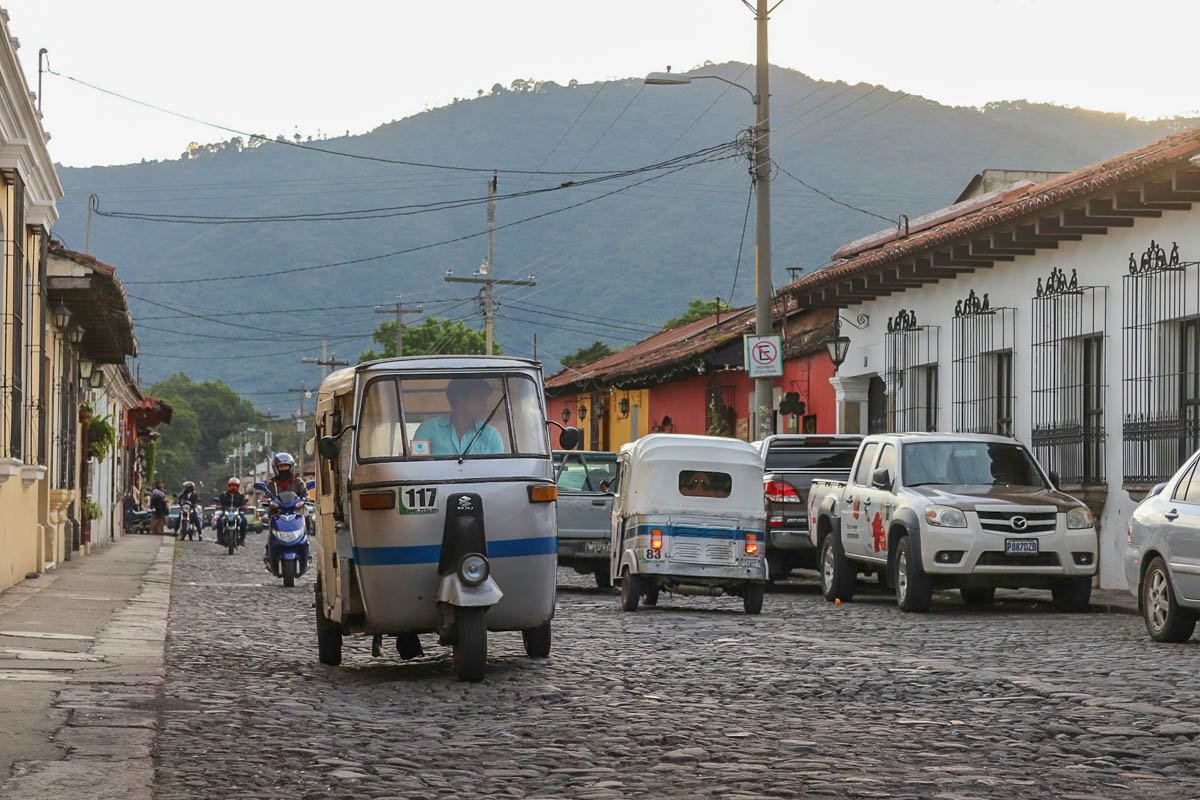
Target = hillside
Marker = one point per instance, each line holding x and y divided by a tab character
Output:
638	256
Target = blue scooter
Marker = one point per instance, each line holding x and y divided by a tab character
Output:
287	541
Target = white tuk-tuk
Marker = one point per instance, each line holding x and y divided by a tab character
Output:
688	517
435	506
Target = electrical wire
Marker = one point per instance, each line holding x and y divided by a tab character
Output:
620	114
606	324
297	310
543	324
741	245
418	248
322	150
830	197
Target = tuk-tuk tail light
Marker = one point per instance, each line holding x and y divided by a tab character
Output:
377	501
655	539
751	543
543	494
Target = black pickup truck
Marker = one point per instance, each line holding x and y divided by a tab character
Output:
791	462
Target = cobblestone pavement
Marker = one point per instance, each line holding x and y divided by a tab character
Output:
691	699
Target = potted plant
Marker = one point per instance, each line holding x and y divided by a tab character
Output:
102	436
86	412
90	510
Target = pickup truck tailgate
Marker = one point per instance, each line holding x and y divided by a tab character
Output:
583	515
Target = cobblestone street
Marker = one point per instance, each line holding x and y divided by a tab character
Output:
690	699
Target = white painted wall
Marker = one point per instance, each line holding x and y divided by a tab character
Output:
1101	260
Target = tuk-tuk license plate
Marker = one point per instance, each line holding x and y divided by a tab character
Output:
1021	547
595	547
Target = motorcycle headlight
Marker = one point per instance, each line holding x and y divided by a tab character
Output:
473	569
945	516
1080	517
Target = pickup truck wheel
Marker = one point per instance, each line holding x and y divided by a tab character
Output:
914	591
1072	595
752	600
1165	620
838	575
631	591
976	596
603	579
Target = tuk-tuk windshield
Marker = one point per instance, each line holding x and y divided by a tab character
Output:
477	416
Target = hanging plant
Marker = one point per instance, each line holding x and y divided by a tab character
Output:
90	509
86	412
718	426
102	436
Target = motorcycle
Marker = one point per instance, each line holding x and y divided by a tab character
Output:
188	525
231	528
287	539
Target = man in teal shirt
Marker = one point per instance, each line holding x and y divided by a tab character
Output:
451	434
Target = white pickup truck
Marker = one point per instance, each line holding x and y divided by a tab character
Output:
928	511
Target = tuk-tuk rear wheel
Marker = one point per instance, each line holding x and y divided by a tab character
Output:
631	591
470	644
537	641
752	599
329	637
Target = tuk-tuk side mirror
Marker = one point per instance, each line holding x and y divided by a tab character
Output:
881	479
328	447
569	438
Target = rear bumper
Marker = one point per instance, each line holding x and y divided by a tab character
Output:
583	550
789	539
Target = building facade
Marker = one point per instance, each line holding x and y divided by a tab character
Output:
1065	313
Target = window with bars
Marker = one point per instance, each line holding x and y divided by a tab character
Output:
15	316
1069	325
910	373
982	341
1160	301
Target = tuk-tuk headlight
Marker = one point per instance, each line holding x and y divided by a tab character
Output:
473	569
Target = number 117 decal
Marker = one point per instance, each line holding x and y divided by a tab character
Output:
418	500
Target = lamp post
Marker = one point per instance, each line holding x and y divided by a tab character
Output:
761	159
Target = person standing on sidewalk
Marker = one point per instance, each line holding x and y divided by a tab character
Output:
158	509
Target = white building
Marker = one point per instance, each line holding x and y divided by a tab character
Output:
1065	313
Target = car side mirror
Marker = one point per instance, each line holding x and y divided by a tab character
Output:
328	447
1157	488
1054	479
881	479
569	438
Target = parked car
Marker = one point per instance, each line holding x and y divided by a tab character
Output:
1162	559
791	463
965	511
206	516
586	481
173	518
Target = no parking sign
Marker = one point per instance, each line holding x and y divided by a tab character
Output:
763	356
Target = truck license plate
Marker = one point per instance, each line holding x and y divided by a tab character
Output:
596	547
1021	546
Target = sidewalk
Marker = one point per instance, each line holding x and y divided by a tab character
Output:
81	673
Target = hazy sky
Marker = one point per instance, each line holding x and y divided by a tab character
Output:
280	66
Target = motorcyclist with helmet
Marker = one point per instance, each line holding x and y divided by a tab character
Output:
283	479
188	495
232	501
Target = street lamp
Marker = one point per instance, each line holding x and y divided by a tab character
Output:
761	160
566	414
837	344
97	379
86	366
62	317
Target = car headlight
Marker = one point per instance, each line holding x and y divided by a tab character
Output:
1079	517
945	517
473	569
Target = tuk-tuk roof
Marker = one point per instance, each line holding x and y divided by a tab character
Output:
337	383
652	486
455	362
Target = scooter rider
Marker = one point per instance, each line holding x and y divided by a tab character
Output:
283	479
233	501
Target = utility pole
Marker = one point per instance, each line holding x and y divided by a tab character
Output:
326	361
93	205
486	274
41	57
763	401
304	392
398	309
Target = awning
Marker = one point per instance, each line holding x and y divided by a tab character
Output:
93	293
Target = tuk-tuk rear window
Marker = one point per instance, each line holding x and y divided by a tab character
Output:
699	483
476	416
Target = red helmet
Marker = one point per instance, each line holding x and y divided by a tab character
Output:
235	483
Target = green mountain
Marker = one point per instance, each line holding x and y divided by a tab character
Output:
635	258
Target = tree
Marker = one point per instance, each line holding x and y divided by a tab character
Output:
586	355
697	309
497	89
433	336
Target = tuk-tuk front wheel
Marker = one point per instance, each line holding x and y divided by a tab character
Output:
752	600
537	641
329	637
631	591
470	644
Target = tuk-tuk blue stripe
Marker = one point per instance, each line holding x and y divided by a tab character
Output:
689	531
432	553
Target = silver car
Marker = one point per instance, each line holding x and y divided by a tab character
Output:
1162	560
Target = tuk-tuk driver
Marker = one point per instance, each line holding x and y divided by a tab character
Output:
465	426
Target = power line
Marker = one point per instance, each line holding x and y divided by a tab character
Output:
236	356
741	245
543	324
578	318
418	248
295	310
830	197
325	151
620	114
580	315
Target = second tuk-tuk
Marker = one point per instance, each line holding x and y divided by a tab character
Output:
435	506
688	518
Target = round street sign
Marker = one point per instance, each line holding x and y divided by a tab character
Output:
763	357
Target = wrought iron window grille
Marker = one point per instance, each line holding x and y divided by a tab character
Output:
982	344
1160	303
1068	380
910	372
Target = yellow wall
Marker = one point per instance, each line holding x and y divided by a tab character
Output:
620	426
